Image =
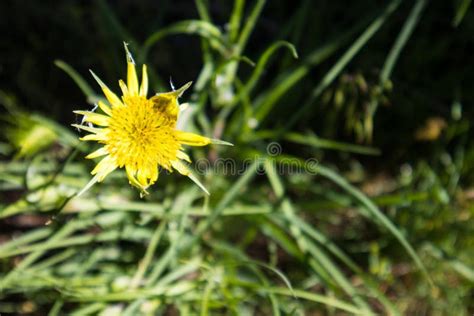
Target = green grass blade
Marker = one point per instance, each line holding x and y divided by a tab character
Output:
182	202
402	39
320	143
241	259
307	246
150	252
113	23
329	301
235	20
78	79
258	71
267	100
66	230
231	194
343	61
192	27
461	12
397	48
26	238
338	253
56	309
249	25
201	6
375	212
205	225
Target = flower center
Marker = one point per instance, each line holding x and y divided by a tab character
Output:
140	135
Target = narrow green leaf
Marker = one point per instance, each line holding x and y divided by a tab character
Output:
330	301
376	213
321	143
307	246
201	6
235	20
407	29
78	79
250	25
287	80
193	27
461	12
261	64
343	61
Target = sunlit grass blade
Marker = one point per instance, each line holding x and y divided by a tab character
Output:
266	100
26	238
230	195
66	230
456	264
150	252
327	300
241	259
307	246
262	62
182	202
235	20
344	258
205	224
376	213
203	11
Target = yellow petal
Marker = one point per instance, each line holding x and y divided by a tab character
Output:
98	153
168	101
89	184
132	180
94	130
123	87
179	92
192	139
105	108
96	137
131	175
95	118
142	177
184	170
183	156
180	167
132	80
111	97
104	167
154	175
144	85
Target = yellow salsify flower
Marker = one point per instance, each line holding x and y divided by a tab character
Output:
139	134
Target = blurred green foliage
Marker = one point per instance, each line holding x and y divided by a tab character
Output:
378	94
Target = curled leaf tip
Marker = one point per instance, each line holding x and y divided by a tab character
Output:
128	54
101	84
220	142
179	92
